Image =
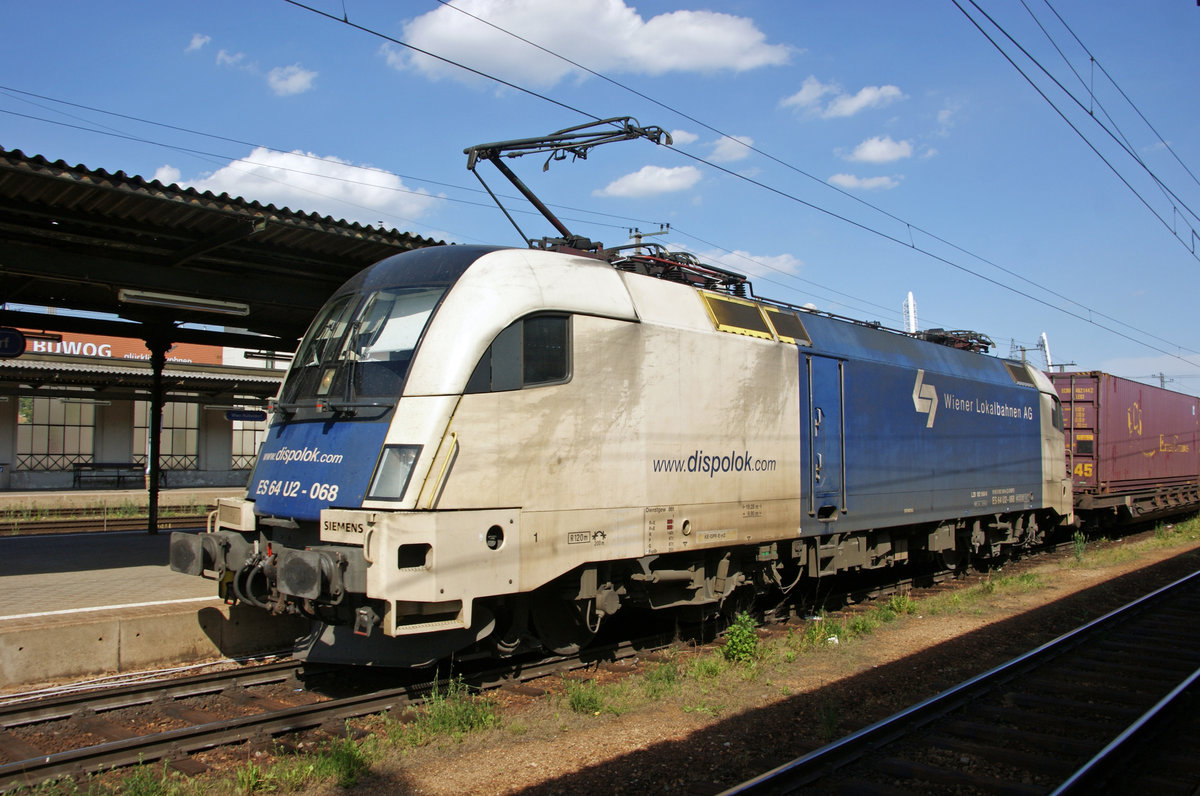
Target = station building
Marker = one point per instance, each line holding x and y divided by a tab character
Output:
74	413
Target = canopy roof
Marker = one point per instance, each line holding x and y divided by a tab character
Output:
81	239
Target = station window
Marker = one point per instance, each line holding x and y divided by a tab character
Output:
247	437
179	443
54	433
737	316
531	352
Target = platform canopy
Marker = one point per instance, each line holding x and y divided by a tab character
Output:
117	256
158	256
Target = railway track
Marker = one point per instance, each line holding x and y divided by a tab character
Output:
95	523
172	720
72	735
1073	716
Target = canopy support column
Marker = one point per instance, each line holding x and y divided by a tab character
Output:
159	343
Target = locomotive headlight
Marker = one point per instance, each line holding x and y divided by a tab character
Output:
393	471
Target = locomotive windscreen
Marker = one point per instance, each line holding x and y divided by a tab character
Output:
361	346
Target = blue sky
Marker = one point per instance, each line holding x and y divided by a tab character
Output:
892	147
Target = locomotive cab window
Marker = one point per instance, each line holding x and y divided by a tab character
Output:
532	352
361	346
1056	412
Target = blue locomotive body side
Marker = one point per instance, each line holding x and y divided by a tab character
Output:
919	432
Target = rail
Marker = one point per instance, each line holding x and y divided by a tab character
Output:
32	765
1024	717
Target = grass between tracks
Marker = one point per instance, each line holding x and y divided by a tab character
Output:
707	682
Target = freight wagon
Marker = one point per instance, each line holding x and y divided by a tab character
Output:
1131	448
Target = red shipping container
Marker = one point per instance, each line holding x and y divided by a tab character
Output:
1128	442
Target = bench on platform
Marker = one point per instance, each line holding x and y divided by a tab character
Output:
116	472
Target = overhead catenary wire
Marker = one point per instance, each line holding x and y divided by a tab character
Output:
946	261
1095	62
909	243
1094	103
1189	242
233	162
217	158
229	161
909	225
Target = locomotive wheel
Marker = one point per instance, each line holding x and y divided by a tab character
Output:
954	559
561	625
515	624
741	600
698	614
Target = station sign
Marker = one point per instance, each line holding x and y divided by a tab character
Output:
246	415
109	347
12	342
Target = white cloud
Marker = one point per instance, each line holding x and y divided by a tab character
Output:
167	175
651	181
288	80
851	182
813	91
605	35
309	183
731	148
226	58
283	81
947	117
683	137
743	262
198	41
867	97
810	93
881	150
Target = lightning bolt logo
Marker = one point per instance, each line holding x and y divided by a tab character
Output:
925	398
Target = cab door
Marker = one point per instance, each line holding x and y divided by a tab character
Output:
826	438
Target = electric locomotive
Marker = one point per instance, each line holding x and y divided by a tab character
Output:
497	448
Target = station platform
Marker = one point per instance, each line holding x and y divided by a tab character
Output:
80	605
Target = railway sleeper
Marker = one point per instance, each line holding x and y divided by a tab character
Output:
1043	763
1020	737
